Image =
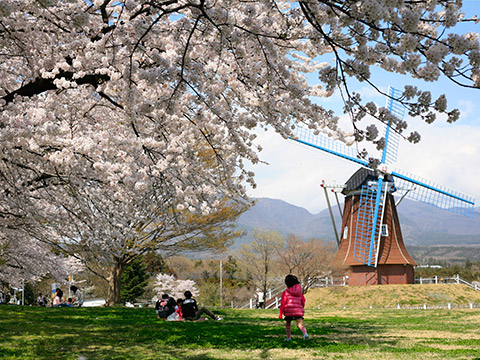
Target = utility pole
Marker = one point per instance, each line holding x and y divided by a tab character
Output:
221	284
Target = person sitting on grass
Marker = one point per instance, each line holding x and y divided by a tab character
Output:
165	307
77	296
190	309
179	309
177	315
57	300
40	300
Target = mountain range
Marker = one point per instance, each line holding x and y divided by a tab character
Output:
422	224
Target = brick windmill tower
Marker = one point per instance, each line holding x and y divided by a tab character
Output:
390	262
371	243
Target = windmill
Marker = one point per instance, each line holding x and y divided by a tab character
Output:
371	242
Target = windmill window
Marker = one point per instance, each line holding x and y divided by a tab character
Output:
345	232
384	230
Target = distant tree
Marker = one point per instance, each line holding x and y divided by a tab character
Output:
261	257
155	263
211	292
468	264
237	282
231	267
134	280
184	268
308	260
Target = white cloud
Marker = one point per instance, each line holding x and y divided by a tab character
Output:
467	107
448	156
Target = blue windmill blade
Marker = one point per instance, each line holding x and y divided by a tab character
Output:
318	141
430	193
369	221
392	138
395	107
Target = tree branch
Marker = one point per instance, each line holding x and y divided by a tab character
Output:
41	85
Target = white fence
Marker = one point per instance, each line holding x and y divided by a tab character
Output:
446	280
441	306
331	281
270	298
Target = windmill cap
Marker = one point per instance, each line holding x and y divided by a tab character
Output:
362	177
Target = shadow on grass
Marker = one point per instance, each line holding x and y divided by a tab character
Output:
119	333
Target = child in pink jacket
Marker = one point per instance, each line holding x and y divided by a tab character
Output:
292	306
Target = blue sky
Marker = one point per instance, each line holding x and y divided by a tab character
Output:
448	154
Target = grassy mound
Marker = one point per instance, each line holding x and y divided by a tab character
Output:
392	295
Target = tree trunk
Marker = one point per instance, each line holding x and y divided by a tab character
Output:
114	282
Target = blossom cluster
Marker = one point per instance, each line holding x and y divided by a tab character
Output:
168	284
25	259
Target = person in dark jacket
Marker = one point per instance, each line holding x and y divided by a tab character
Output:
190	309
165	306
292	306
77	296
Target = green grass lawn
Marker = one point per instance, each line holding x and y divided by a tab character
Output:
125	333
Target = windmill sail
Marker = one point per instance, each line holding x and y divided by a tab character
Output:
392	138
368	229
430	193
321	142
370	211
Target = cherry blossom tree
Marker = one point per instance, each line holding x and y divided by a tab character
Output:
23	258
107	234
168	284
121	121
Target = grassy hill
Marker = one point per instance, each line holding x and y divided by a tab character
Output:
390	296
